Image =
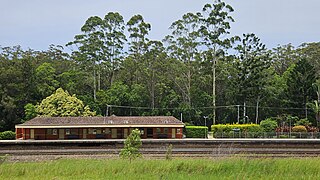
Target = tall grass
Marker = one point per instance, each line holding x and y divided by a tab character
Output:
230	168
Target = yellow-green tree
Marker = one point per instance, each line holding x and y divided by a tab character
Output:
62	104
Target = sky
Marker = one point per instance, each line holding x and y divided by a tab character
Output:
36	24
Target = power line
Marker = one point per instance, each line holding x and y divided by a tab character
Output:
210	107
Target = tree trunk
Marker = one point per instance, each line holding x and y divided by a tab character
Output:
306	107
99	80
94	84
214	90
257	109
152	91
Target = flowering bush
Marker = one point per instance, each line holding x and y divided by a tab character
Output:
299	129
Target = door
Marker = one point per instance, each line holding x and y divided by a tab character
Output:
149	133
119	133
84	133
125	133
31	133
173	133
61	133
113	133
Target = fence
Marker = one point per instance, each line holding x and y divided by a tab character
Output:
299	135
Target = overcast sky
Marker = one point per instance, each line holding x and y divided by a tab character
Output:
38	23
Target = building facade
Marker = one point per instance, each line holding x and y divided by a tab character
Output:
112	127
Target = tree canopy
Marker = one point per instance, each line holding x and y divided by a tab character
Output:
197	70
62	104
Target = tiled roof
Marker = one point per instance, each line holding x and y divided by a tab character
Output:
110	120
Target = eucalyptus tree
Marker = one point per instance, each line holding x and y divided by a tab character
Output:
138	30
311	51
253	70
114	39
283	57
91	49
100	46
215	22
153	71
183	45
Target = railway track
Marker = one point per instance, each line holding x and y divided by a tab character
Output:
254	148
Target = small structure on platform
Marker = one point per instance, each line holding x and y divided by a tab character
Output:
111	127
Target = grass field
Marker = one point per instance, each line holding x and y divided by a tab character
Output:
229	168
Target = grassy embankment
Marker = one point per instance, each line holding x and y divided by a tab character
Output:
230	168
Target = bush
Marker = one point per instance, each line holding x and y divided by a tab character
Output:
7	135
196	131
299	129
268	125
231	127
303	122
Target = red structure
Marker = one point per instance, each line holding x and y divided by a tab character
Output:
112	127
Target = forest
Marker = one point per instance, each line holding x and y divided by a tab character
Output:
197	72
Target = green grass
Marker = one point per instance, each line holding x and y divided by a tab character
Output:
231	168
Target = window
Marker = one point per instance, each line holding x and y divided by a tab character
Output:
94	131
158	130
67	131
74	131
107	131
178	131
165	130
54	132
49	131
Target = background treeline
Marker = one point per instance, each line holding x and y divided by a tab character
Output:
198	70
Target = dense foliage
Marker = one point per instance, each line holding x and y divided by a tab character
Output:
197	70
7	135
268	125
236	128
62	104
196	131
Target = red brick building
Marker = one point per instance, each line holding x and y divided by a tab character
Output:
112	127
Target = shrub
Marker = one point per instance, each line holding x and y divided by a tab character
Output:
7	135
268	125
231	127
299	129
196	131
131	146
303	122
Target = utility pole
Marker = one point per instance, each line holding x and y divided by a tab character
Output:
244	112
107	111
238	107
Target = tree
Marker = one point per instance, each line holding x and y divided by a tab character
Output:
183	45
30	111
46	80
215	25
62	104
115	39
283	57
300	85
138	30
131	146
253	64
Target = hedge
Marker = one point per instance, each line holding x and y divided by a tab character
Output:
196	131
7	135
239	127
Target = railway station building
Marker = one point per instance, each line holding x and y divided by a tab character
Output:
111	127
